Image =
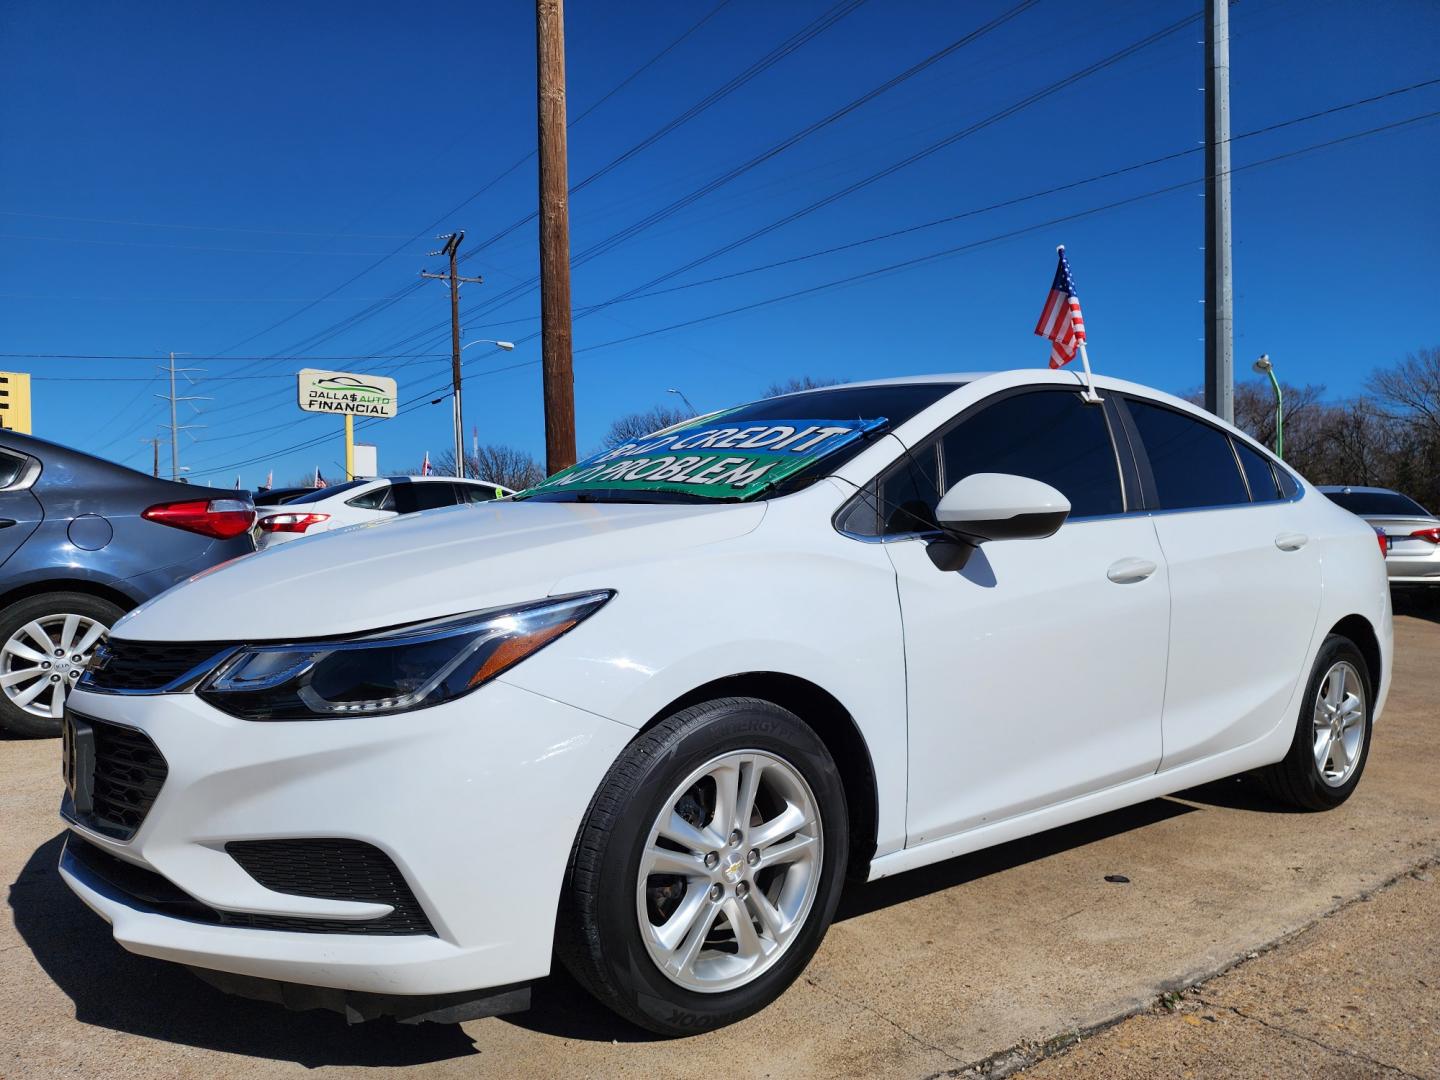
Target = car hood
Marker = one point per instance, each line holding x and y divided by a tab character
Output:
444	562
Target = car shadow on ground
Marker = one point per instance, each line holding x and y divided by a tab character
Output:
114	989
1422	603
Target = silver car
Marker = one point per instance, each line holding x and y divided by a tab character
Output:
1412	533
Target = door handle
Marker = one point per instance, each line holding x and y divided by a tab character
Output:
1129	571
1291	541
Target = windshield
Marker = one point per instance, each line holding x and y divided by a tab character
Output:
326	492
1378	503
766	448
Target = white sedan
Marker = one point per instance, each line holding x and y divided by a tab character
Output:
649	715
361	501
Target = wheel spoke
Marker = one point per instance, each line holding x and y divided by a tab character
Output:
660	860
747	942
39	637
1323	739
31	692
679	831
727	787
771	921
672	931
797	847
791	819
57	699
16	647
745	801
694	940
92	635
10	678
67	631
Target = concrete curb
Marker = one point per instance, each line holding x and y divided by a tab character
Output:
1023	1055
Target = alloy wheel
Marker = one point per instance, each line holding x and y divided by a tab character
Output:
44	658
730	871
1339	723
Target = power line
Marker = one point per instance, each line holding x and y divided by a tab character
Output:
423	398
428	229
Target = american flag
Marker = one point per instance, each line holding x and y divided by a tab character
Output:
425	465
1061	320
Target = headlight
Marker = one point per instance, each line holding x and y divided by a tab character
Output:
393	671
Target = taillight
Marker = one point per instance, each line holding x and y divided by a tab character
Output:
1384	542
223	519
291	523
1433	535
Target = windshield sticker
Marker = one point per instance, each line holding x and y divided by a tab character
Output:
711	457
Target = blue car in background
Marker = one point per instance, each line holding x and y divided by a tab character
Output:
82	541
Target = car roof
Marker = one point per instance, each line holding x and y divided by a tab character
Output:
1349	488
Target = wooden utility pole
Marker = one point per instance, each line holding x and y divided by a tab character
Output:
558	364
1219	298
155	446
452	250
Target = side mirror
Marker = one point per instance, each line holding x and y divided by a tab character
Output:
999	506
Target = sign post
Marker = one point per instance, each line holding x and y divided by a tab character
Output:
348	395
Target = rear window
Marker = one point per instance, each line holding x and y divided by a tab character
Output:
326	492
1377	503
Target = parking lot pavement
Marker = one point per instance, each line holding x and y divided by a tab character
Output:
923	974
1353	996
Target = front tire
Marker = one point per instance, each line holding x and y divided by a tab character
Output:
707	869
1332	734
45	643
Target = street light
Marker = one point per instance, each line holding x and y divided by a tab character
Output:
459	413
1263	366
674	390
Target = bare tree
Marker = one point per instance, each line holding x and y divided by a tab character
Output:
637	425
1410	390
503	465
796	384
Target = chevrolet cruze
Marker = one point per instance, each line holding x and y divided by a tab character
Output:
648	716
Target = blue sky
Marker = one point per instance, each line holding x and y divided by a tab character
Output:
181	176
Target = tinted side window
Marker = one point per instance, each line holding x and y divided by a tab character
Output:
410	498
379	499
1288	486
1257	473
12	467
1192	462
475	493
1046	435
908	493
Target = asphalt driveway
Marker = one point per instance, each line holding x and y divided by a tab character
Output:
923	974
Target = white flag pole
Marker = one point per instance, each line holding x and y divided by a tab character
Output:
1089	396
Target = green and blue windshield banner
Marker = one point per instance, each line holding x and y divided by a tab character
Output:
712	457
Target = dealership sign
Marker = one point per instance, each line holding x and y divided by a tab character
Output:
711	457
340	392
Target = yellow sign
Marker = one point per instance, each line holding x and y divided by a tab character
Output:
15	401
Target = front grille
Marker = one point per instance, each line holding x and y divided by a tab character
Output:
113	775
155	893
125	666
334	869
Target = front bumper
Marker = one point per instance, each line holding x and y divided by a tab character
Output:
476	802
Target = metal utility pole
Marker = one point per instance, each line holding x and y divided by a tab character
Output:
175	426
1219	300
452	250
558	361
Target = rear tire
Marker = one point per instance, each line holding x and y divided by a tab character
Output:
751	893
21	652
1332	733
